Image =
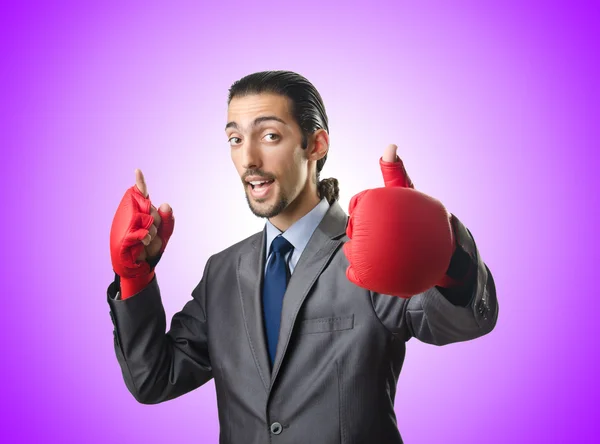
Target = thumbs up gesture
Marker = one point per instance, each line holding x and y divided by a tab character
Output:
138	237
401	239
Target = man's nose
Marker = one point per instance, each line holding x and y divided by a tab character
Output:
251	155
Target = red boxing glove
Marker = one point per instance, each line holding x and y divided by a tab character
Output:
401	239
131	224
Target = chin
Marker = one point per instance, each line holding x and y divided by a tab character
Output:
268	207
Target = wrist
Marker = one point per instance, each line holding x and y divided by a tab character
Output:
132	286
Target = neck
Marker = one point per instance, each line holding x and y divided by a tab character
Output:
298	208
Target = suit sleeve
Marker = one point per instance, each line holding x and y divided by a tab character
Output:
159	366
442	318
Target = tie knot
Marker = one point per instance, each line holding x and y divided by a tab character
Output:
281	245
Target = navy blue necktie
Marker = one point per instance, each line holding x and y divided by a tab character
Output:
276	279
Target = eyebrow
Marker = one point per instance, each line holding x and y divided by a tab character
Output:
256	122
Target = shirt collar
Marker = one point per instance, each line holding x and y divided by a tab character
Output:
301	231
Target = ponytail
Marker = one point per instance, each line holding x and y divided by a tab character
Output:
329	189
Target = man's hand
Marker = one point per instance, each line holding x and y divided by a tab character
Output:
138	237
160	231
392	168
401	239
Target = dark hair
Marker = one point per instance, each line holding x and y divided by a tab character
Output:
307	109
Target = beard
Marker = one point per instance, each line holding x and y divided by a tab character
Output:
281	203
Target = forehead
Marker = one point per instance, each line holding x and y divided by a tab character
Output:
243	110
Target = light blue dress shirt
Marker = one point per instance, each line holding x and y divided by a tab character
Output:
298	234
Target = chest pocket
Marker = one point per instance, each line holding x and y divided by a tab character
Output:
324	325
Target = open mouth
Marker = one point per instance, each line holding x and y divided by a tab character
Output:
260	189
259	185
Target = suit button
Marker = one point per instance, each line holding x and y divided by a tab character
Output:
276	428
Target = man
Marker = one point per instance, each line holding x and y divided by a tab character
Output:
292	322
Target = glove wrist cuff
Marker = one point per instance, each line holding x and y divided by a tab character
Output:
132	286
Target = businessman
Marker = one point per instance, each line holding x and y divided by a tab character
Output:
303	325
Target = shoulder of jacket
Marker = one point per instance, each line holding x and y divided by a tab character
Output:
238	247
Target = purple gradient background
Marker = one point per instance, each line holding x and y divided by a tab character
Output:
496	113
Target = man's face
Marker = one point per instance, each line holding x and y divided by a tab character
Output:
267	152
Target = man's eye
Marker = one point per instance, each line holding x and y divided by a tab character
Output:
232	139
273	134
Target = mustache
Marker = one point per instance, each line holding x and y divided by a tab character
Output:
257	172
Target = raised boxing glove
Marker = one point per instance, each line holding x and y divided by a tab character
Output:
131	224
402	240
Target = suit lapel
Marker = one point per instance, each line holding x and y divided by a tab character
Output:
250	278
319	250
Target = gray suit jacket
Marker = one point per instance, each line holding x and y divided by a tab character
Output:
340	350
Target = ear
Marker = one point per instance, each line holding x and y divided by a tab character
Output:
320	145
